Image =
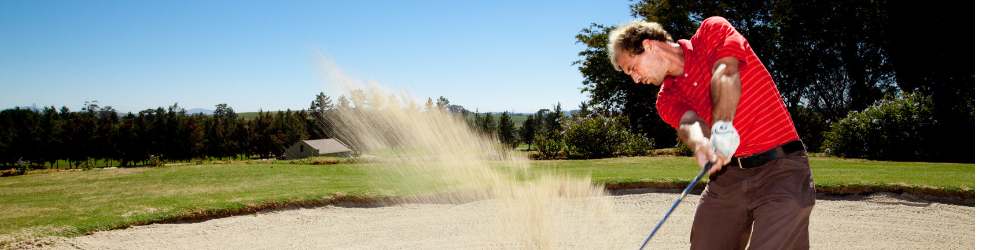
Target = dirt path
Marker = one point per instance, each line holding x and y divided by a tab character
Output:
876	222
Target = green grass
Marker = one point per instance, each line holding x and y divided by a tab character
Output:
70	203
827	172
76	202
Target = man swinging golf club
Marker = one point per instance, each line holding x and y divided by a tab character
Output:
760	180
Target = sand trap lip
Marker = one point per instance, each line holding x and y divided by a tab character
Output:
871	222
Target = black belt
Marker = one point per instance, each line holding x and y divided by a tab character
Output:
760	159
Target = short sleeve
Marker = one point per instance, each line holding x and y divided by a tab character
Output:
670	108
724	37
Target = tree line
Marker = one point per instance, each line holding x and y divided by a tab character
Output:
96	136
149	137
100	136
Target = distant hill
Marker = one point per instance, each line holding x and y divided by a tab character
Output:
200	111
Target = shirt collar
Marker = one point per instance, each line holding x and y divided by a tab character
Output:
688	49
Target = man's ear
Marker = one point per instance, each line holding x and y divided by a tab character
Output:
647	44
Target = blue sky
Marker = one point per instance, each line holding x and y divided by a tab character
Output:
132	55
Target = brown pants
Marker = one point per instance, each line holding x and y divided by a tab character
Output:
773	201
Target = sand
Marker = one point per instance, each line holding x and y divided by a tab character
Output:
874	222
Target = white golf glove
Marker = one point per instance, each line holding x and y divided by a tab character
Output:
725	139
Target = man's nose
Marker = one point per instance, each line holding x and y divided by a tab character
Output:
635	78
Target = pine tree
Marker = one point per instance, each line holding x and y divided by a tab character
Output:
316	125
506	130
553	119
489	125
528	131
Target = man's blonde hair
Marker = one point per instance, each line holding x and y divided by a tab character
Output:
629	37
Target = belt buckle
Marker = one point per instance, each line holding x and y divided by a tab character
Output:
739	163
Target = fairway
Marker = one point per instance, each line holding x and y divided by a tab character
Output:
77	202
827	172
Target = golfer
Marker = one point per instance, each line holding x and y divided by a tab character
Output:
725	106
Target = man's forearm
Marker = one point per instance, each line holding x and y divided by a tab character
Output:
725	89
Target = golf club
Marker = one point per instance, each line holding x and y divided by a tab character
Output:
678	201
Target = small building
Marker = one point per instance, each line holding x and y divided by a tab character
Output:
321	147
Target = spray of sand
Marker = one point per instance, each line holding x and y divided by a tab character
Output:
423	150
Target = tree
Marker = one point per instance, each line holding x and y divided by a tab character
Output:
51	135
584	110
950	81
442	103
21	131
81	131
489	126
317	124
106	127
261	139
552	120
220	132
296	122
528	130
320	105
191	137
506	131
128	141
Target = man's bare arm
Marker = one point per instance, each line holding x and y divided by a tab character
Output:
726	88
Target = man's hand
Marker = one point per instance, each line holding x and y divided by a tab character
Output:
725	139
691	133
703	151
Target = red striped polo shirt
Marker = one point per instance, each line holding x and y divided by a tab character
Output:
761	116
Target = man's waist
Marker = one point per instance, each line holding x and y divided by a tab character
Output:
759	159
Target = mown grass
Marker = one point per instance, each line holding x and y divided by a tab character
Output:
77	202
827	171
71	203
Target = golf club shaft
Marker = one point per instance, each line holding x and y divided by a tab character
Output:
678	201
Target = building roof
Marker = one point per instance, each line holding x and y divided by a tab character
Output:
327	146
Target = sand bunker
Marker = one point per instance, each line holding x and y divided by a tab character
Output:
877	222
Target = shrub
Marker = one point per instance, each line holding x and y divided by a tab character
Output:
21	167
592	137
549	145
602	136
891	129
683	149
635	145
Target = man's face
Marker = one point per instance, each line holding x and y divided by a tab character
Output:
644	68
